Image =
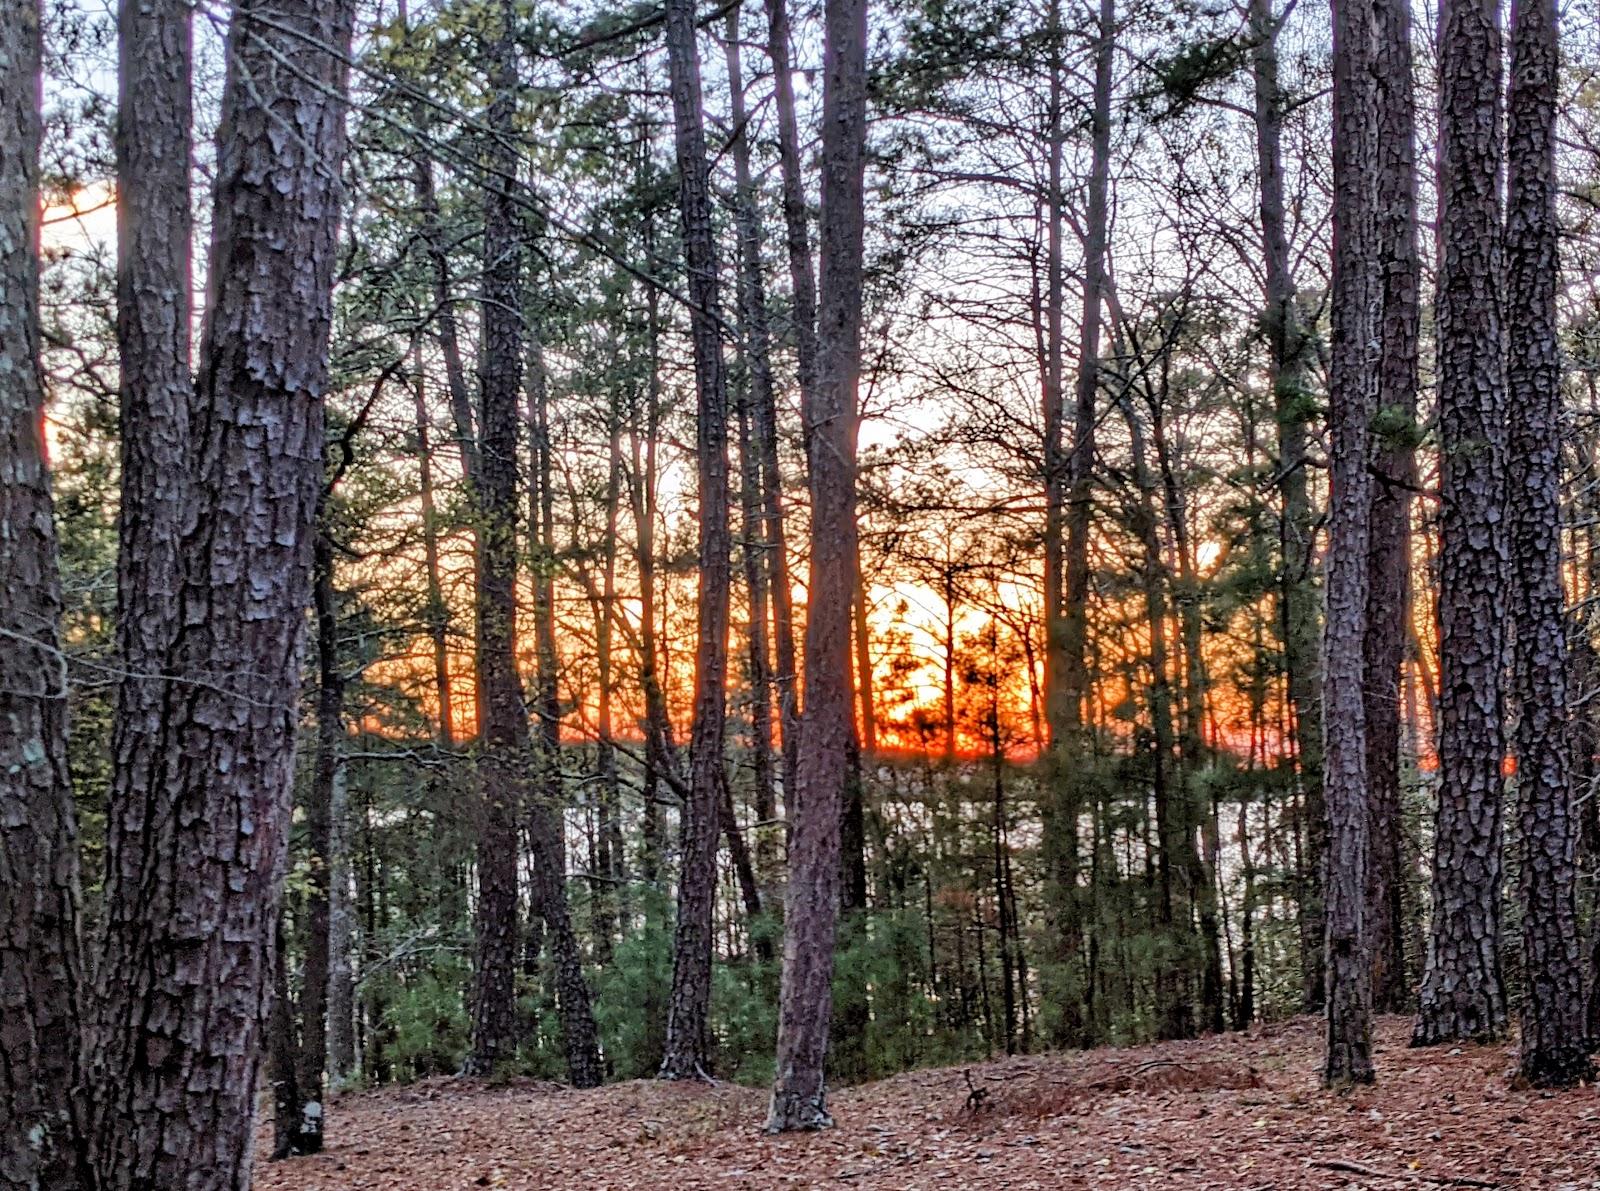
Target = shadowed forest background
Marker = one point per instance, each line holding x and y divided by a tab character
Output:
1146	631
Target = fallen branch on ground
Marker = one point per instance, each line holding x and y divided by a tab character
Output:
1444	1180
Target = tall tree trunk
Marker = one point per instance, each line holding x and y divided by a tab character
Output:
547	808
642	494
39	966
610	901
1080	469
195	844
1061	824
761	487
503	739
438	610
687	1053
1389	551
1463	993
1294	406
341	921
300	1102
947	583
863	653
1174	1011
1555	1045
446	332
802	275
745	872
1069	494
799	1096
1352	390
283	1049
1199	817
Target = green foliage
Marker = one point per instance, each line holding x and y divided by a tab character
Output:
631	994
1181	78
426	1019
744	1021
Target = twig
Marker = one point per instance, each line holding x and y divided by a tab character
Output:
1445	1180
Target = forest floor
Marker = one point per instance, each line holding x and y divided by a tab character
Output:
1236	1112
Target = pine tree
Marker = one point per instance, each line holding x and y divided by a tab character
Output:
1463	993
39	970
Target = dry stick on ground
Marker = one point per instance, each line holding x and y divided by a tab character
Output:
1445	1180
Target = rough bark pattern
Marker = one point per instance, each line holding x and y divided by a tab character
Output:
1293	407
1352	390
689	1008
39	975
1555	1046
196	851
1394	469
153	328
1463	994
799	1095
503	739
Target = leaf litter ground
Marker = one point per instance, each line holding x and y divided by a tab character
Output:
1233	1113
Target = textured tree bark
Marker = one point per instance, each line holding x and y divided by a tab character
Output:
1352	392
503	739
1394	469
799	1095
1463	995
39	966
687	1054
1555	1043
1294	406
196	845
1584	676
